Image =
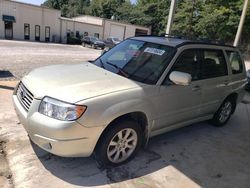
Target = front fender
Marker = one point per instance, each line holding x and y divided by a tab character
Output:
126	107
104	109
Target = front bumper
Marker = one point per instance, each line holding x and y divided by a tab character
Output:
62	138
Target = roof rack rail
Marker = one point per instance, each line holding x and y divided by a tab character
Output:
221	42
164	35
175	36
187	40
145	35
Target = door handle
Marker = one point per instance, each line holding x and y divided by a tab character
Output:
196	88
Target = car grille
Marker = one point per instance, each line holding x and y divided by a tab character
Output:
24	96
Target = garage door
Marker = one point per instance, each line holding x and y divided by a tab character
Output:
117	31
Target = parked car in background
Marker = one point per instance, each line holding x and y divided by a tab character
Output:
111	42
142	87
248	80
93	42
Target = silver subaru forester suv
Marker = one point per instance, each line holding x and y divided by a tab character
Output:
142	87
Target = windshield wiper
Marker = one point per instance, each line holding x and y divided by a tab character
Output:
102	64
118	68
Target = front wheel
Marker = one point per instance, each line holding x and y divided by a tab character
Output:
119	144
224	113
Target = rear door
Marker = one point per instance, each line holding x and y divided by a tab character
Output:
215	80
238	74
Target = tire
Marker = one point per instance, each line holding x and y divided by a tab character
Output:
223	114
110	148
83	44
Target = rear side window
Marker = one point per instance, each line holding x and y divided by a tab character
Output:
214	64
235	62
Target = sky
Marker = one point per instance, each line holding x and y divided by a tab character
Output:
39	2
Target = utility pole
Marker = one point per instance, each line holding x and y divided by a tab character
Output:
171	16
242	19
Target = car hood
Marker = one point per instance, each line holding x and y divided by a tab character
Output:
73	83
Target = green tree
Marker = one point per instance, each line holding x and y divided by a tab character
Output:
69	8
212	19
152	13
186	17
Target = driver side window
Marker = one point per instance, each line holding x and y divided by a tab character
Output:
188	62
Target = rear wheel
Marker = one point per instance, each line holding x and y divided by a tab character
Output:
224	113
119	144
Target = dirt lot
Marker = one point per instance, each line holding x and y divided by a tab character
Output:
195	156
20	57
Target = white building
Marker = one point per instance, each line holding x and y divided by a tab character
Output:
28	22
23	21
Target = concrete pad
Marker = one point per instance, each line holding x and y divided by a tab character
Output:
196	156
4	182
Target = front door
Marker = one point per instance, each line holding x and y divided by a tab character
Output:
8	30
176	103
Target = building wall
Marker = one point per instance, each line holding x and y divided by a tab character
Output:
89	19
32	15
59	27
69	25
129	29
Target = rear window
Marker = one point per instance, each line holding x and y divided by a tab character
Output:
235	62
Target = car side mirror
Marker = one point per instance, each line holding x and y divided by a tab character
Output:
180	78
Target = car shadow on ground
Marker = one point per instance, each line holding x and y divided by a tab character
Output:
6	87
207	155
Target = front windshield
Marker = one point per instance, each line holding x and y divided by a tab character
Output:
137	60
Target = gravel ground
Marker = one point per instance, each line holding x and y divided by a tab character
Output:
17	58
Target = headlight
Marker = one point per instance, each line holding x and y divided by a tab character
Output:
61	110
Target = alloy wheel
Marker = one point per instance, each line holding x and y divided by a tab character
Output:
225	112
122	145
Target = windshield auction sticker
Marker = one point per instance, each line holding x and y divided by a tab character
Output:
154	51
